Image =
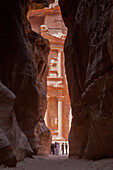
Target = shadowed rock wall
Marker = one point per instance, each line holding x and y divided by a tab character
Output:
23	85
89	69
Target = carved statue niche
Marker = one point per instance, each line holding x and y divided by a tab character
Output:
54	123
53	63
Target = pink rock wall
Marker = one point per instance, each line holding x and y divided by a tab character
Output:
14	145
89	67
21	89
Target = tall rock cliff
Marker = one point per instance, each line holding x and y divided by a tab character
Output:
89	68
23	71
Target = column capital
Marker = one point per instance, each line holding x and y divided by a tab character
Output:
60	50
44	28
60	98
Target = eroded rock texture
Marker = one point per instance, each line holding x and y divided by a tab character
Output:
14	145
89	68
41	49
23	84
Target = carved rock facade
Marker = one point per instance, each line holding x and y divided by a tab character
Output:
23	85
89	68
49	22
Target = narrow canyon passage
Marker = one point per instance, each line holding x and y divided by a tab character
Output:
35	65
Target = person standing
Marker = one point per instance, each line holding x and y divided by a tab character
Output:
52	148
62	148
66	148
57	148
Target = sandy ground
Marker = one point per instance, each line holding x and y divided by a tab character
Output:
53	162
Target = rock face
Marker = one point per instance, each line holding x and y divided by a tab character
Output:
23	86
44	139
89	68
42	134
14	145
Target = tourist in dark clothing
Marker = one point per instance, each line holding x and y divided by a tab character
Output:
52	148
57	148
66	147
62	146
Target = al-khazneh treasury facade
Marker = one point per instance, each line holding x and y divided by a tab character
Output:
49	23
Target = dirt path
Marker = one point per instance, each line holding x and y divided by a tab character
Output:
53	162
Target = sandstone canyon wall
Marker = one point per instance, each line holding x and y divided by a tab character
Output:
89	68
23	73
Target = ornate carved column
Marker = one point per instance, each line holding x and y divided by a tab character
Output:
59	63
70	118
60	99
45	118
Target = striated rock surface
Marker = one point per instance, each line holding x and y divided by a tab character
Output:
44	139
41	49
89	68
14	145
22	88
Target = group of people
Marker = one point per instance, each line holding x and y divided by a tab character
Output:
55	148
